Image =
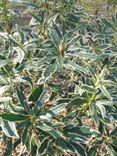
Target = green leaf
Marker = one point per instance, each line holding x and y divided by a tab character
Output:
76	137
107	22
79	149
40	102
46	59
114	147
83	130
114	131
51	149
9	147
22	100
17	109
29	4
28	142
13	40
88	130
55	88
70	148
93	151
55	38
56	110
47	73
9	128
13	117
25	133
27	79
33	148
89	89
35	94
43	147
55	27
77	102
74	40
60	61
62	144
54	133
104	46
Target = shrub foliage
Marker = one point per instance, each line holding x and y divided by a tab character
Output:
58	81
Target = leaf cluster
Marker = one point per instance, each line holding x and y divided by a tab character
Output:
58	81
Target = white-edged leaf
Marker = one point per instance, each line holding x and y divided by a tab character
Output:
79	149
105	102
104	46
23	100
56	110
4	80
102	109
43	147
40	102
50	130
47	73
74	40
3	63
3	89
4	34
84	55
105	92
5	99
20	55
9	128
46	59
74	66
